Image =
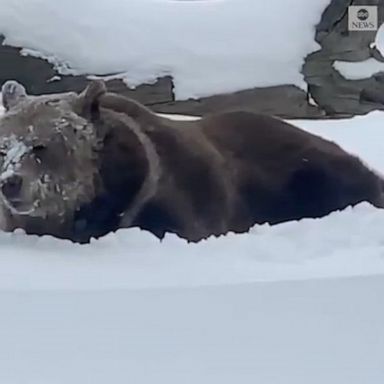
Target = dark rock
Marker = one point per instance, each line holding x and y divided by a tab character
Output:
334	93
156	93
373	96
39	76
285	101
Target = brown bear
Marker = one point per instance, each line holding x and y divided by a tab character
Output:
80	166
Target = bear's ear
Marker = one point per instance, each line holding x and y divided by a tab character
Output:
12	94
89	99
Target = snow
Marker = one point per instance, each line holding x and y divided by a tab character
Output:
328	331
343	244
379	39
209	47
359	70
15	150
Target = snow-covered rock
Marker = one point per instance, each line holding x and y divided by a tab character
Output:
208	47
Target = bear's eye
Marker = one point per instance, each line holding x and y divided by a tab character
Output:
38	148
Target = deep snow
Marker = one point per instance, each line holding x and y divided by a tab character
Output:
209	47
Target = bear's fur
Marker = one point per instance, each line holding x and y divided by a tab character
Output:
80	166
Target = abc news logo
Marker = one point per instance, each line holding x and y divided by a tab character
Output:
362	18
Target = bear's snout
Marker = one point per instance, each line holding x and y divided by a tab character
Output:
11	187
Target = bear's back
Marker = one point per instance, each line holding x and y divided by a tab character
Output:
284	173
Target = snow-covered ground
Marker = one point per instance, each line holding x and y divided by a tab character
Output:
312	332
210	46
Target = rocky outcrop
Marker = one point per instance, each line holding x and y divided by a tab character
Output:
334	95
286	101
39	76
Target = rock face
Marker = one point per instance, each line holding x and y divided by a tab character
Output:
285	100
334	95
40	77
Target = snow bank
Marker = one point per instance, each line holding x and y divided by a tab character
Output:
208	46
348	243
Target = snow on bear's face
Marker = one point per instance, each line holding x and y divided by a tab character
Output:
47	158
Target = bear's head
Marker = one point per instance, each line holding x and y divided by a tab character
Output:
48	148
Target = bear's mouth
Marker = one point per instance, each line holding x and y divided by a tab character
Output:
17	206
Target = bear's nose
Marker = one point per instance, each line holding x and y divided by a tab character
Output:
11	187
